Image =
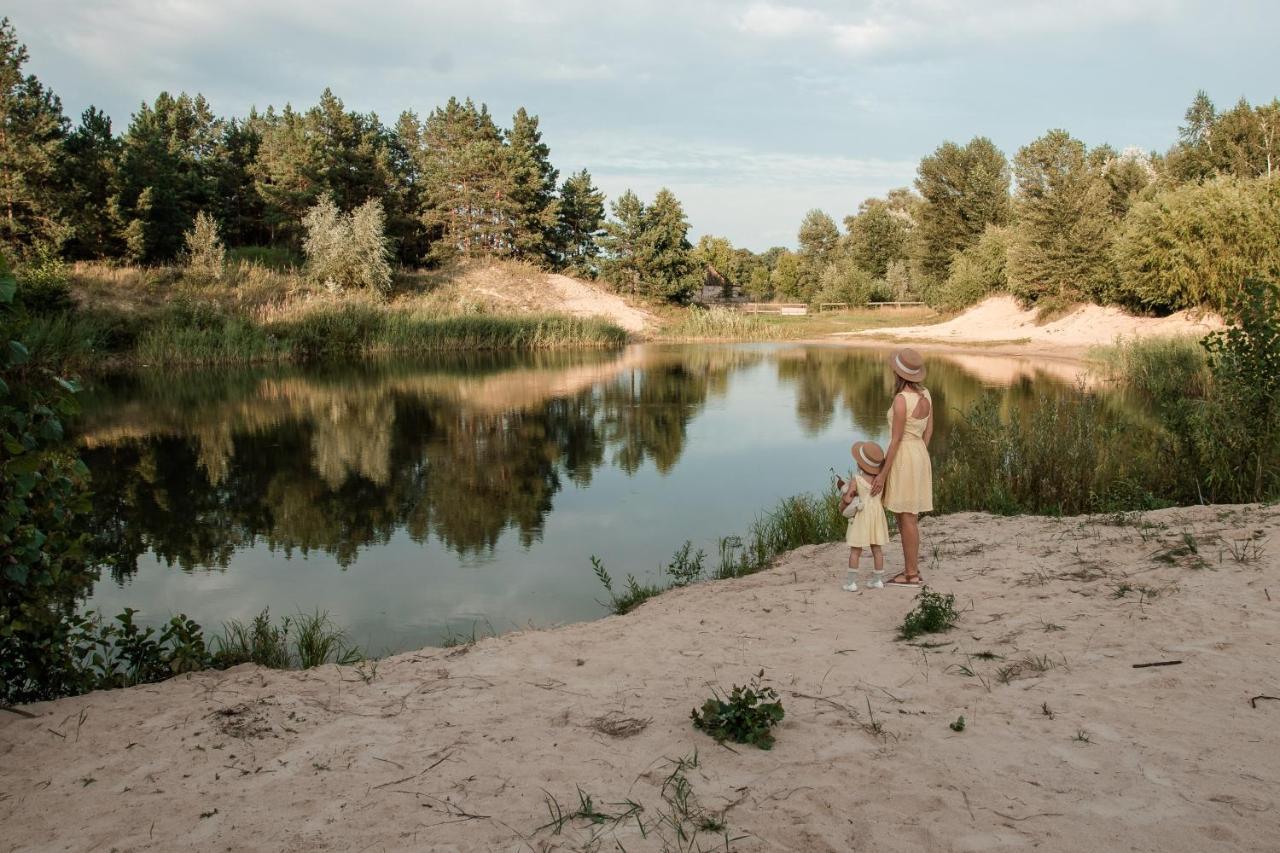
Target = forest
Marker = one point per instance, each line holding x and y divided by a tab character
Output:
354	202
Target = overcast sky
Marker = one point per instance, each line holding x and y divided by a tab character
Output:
751	113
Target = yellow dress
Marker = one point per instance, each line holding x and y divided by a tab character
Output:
869	526
909	485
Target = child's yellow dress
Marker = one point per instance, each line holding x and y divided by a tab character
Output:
869	526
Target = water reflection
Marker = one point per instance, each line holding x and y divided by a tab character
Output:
403	464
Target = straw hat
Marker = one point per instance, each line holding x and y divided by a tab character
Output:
868	455
908	364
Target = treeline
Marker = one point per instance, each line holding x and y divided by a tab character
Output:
454	183
1062	223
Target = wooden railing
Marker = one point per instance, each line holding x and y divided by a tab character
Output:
801	308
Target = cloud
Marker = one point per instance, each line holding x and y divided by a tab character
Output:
768	19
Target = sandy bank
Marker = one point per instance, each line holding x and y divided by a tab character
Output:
999	322
457	749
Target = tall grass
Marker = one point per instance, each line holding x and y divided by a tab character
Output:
722	324
299	642
1162	368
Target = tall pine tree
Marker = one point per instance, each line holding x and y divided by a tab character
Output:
32	129
534	203
86	176
580	219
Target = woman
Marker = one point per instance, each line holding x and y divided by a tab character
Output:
907	476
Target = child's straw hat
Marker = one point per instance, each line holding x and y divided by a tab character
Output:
868	455
908	364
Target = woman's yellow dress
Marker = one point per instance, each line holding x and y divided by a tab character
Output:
909	484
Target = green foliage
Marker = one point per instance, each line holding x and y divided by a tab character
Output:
580	224
934	613
964	189
205	254
347	249
1243	141
44	501
683	568
1193	245
819	238
958	725
42	282
260	642
1239	431
844	281
1060	245
121	653
1069	454
747	715
631	597
724	324
647	248
879	236
977	272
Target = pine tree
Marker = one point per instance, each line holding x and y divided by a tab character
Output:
32	130
288	173
580	222
668	266
86	175
533	229
623	243
964	189
166	174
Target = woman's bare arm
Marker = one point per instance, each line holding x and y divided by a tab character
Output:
899	426
928	427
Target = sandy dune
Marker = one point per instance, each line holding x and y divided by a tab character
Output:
459	749
1001	319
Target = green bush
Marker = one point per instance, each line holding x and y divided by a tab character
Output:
934	613
205	255
43	282
1193	245
747	715
844	281
347	249
976	273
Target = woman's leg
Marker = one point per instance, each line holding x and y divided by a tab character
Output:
909	527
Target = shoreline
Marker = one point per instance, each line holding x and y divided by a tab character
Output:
464	746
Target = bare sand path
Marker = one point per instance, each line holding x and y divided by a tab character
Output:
1067	746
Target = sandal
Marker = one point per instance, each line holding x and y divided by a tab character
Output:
904	579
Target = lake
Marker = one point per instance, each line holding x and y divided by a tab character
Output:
415	500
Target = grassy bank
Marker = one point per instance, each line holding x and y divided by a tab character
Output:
165	316
724	324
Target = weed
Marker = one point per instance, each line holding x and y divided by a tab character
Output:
320	640
1248	549
635	594
1081	736
746	715
958	725
684	569
934	612
1037	664
1046	710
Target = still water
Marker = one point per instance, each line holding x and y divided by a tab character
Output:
416	499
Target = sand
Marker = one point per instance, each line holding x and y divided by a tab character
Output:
1000	319
459	749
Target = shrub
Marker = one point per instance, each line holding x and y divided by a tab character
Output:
1239	431
844	281
205	254
42	282
933	614
977	272
747	715
347	249
1193	245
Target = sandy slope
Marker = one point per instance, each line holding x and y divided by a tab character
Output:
1000	318
521	287
453	750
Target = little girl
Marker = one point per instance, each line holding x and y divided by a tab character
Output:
868	527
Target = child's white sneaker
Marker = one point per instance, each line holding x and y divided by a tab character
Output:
851	586
876	582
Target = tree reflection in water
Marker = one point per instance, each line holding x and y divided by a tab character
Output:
194	466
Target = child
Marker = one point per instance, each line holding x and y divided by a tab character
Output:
868	527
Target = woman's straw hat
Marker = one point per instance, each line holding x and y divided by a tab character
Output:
908	364
868	455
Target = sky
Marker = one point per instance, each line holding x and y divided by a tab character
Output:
751	112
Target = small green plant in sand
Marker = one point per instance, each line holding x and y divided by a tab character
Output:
747	715
958	725
683	568
934	613
633	596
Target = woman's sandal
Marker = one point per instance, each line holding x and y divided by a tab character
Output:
904	579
